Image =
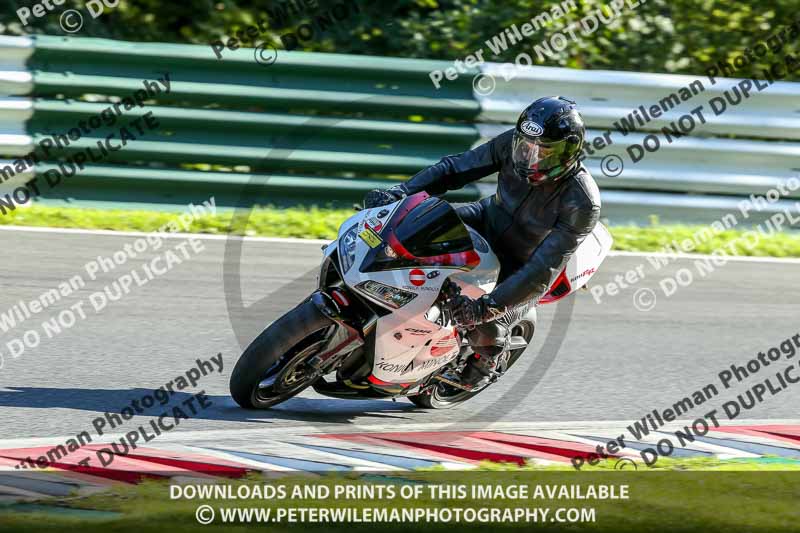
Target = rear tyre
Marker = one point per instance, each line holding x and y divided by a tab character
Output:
444	396
274	367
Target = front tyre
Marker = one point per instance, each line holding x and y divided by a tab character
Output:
275	365
444	396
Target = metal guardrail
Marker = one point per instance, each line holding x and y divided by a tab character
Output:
721	169
605	96
325	128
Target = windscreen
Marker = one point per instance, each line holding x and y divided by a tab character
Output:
425	231
433	228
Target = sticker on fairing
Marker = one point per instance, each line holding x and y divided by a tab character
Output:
369	236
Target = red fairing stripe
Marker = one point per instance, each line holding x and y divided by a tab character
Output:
376	381
549	298
407	206
340	298
379	382
445	345
469	259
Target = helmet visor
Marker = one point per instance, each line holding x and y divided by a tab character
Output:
538	161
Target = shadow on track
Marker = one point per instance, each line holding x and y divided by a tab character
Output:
99	401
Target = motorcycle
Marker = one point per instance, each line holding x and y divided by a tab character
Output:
380	324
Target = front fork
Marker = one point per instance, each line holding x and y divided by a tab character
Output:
344	338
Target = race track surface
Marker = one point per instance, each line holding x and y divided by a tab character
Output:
593	362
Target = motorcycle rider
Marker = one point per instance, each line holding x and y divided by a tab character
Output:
545	205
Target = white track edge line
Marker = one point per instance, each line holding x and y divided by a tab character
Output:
189	436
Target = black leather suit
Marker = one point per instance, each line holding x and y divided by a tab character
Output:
533	230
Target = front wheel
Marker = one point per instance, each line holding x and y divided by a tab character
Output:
444	396
275	365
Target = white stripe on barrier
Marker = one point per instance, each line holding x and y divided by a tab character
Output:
713	165
13	144
14	76
606	96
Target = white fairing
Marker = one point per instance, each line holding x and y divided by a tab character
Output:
583	264
408	346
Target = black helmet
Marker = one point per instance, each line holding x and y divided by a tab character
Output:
548	140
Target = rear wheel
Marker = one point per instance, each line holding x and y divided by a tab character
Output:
275	365
444	396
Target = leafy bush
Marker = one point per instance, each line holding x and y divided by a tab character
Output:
679	36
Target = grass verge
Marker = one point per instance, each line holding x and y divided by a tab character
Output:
663	464
322	223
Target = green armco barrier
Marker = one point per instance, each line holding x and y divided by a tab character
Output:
75	66
329	126
265	139
103	185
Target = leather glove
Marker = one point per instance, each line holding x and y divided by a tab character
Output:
470	313
381	197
